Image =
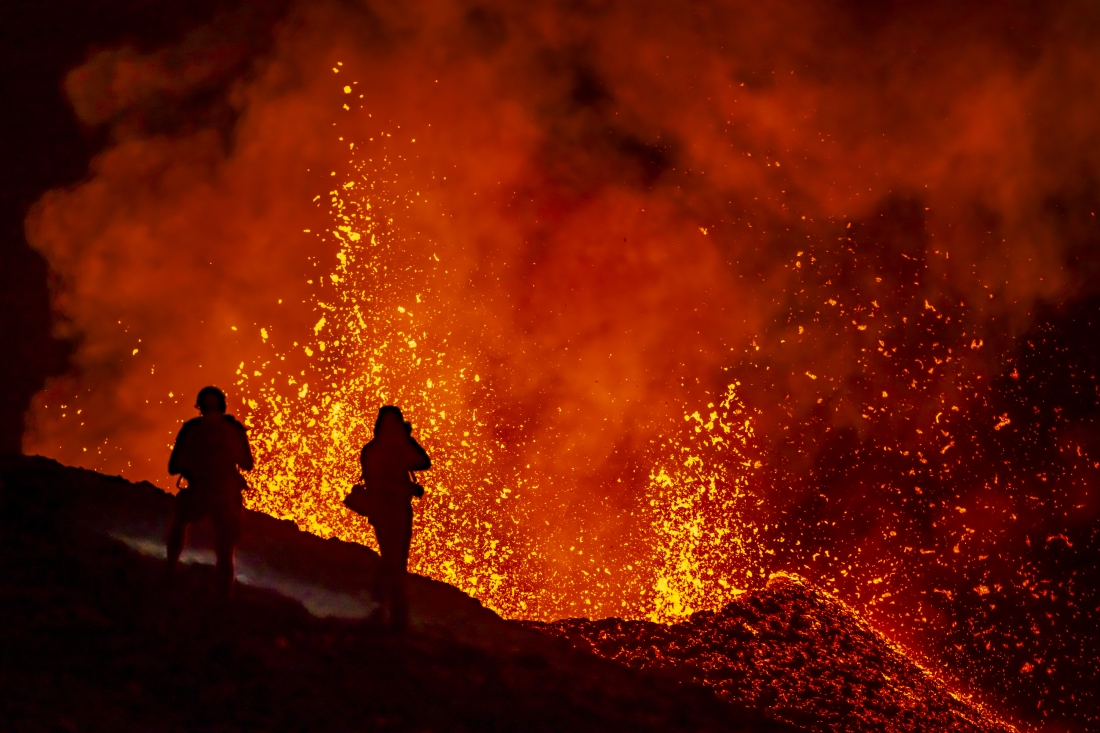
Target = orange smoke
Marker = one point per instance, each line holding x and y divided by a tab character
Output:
588	229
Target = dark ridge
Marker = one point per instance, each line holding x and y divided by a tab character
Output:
93	637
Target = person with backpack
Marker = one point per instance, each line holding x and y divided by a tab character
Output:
210	452
388	489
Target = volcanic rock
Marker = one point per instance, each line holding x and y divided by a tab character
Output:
795	654
93	636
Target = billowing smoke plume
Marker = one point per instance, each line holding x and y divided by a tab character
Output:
848	212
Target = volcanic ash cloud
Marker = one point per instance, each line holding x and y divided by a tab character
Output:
601	213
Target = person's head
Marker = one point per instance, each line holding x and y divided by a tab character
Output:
211	401
390	422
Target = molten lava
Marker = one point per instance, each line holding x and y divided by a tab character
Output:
676	299
385	335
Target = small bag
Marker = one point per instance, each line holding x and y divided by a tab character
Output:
362	500
414	486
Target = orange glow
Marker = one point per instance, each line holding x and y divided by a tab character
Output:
674	299
383	335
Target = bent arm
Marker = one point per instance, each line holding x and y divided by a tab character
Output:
419	460
363	464
175	461
246	462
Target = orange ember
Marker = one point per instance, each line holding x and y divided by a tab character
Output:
386	333
676	299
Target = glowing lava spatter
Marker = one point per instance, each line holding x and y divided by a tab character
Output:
889	254
383	337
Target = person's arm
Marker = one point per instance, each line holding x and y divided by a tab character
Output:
176	460
419	460
245	462
363	464
249	462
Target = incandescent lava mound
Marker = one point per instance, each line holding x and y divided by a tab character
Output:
795	654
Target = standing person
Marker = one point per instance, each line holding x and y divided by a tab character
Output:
386	461
209	452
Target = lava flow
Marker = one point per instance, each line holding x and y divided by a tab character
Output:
676	299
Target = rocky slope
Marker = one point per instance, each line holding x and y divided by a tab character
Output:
93	637
795	654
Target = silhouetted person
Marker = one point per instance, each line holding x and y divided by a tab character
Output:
209	452
387	461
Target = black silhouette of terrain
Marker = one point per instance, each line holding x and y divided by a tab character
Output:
93	637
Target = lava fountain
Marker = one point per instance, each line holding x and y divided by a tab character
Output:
675	299
387	333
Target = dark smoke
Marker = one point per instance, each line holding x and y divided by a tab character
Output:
879	219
